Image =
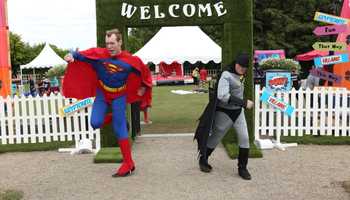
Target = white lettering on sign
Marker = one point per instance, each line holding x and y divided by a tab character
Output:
327	60
276	103
220	8
145	11
158	15
174	10
204	9
128	10
189	10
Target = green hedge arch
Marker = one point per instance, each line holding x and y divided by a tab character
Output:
236	17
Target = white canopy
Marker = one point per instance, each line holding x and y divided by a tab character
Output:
46	59
180	43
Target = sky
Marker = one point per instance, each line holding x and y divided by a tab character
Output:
68	24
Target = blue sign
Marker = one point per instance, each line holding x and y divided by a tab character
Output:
266	97
330	60
322	17
278	81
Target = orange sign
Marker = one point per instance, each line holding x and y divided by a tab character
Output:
5	68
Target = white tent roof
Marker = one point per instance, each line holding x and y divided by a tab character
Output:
46	59
180	43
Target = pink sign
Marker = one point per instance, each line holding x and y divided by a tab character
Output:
330	30
2	14
263	54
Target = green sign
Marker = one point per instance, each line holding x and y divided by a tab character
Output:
330	46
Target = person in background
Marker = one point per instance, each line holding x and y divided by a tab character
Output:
32	89
203	74
54	85
47	86
195	76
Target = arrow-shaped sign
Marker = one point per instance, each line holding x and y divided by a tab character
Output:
330	30
330	46
329	60
326	75
330	19
276	103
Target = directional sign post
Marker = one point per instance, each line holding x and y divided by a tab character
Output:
330	30
74	107
330	19
326	75
330	46
329	60
276	103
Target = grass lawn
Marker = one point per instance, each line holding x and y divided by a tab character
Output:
319	140
35	146
173	113
11	195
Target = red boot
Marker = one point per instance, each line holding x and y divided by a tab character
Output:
128	165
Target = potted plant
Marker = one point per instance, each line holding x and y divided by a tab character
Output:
281	65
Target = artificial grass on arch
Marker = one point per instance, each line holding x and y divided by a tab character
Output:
231	145
108	155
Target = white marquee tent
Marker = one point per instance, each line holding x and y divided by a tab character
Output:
46	59
180	43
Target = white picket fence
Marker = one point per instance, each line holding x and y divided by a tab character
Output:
37	120
322	111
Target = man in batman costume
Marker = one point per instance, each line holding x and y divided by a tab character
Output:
224	111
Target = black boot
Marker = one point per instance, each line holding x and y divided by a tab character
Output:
203	161
242	163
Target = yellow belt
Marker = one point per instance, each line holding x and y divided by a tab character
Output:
109	89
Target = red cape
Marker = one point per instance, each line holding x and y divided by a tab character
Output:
80	80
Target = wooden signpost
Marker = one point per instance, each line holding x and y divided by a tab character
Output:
330	46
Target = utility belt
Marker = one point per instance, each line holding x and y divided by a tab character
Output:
112	90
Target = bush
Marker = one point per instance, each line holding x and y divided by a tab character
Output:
56	71
284	64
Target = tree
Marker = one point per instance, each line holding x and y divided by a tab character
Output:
289	24
22	53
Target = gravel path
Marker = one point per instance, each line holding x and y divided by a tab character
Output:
167	169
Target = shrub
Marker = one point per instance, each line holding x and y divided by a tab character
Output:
56	71
276	63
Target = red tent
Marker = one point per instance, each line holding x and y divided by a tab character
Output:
311	55
172	69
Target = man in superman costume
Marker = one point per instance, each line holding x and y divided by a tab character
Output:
115	78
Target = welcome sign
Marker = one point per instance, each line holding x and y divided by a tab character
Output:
276	103
147	12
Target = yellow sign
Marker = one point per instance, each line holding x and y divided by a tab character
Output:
330	46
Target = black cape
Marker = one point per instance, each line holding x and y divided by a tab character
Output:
206	120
